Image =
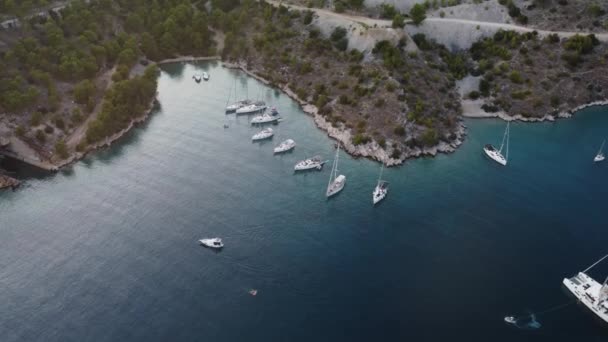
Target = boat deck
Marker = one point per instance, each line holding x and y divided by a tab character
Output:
587	291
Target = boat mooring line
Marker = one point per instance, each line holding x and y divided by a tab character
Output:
597	262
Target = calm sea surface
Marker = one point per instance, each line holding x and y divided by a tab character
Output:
107	250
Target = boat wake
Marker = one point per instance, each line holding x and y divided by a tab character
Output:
527	322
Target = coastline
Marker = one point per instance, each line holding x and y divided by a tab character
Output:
370	150
478	113
8	182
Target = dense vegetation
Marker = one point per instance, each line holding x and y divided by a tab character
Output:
524	74
52	76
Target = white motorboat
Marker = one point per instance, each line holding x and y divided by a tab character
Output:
197	78
252	108
212	243
266	133
589	292
600	154
495	154
205	76
336	182
264	118
381	189
309	164
285	146
510	320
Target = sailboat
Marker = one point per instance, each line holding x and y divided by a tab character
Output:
232	107
590	292
336	182
381	189
495	154
600	154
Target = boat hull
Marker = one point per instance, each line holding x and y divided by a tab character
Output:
378	195
336	186
587	291
495	156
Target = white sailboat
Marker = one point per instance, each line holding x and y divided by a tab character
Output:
590	292
309	164
263	134
497	155
600	154
255	107
381	189
285	146
264	118
232	107
336	182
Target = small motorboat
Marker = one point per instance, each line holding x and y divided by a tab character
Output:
309	164
253	292
205	76
274	111
285	146
264	118
197	78
266	133
215	243
510	319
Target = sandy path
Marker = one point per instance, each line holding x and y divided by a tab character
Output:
80	132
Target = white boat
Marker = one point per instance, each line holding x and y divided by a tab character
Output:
205	76
381	189
236	105
197	78
264	118
510	320
495	154
600	154
274	111
309	164
285	146
212	243
263	134
252	108
336	182
590	292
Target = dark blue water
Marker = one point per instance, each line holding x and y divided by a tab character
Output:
107	251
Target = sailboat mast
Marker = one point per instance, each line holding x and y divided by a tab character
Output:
504	137
508	137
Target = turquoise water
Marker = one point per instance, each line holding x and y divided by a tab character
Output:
107	251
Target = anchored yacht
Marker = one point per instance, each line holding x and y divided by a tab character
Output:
212	243
309	164
205	76
336	182
381	189
590	292
263	134
197	78
600	154
252	108
285	146
264	118
236	105
495	154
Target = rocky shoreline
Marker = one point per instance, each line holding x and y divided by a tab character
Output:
8	182
480	114
370	150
